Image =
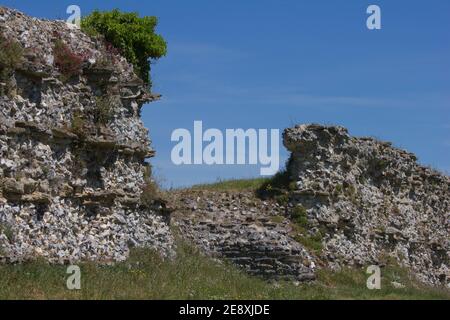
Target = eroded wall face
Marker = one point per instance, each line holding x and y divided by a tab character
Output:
370	203
72	151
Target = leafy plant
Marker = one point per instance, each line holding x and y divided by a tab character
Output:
134	36
103	110
78	125
293	186
277	219
338	188
312	242
11	54
282	199
150	194
147	172
278	185
300	216
7	231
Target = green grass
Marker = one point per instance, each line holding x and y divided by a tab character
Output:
191	276
264	186
313	243
233	185
277	219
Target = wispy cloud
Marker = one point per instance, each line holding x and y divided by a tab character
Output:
203	88
205	50
204	91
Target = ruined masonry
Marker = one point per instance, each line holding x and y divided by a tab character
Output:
370	202
252	233
73	172
347	202
70	186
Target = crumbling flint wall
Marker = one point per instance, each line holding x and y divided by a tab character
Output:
246	231
371	202
67	194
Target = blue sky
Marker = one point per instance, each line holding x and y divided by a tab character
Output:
272	64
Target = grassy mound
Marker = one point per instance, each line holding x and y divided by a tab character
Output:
270	187
233	185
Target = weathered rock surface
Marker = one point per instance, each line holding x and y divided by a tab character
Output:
247	231
70	185
371	202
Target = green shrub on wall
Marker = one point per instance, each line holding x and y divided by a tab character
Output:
11	53
134	36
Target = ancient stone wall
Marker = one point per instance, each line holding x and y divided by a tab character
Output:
72	149
370	202
344	201
251	233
